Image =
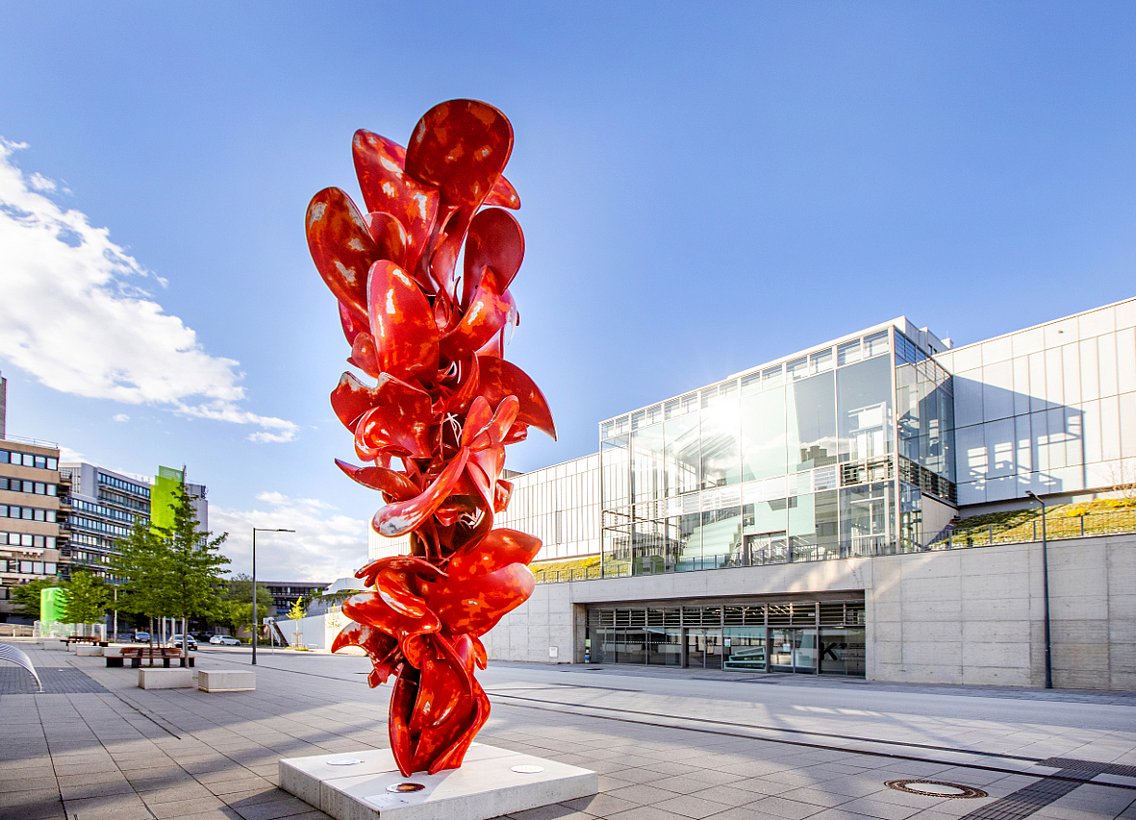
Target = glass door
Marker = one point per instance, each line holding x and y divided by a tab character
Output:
793	650
704	648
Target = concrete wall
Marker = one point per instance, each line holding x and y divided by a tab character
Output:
542	626
977	616
968	616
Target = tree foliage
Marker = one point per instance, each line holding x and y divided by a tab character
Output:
171	571
297	610
26	599
236	607
86	600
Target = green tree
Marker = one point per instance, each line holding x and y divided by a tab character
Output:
236	608
172	571
193	581
25	597
141	565
297	611
87	598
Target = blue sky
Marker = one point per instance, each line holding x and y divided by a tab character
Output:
704	187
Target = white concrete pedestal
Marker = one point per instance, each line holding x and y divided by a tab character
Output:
165	678
362	785
88	651
226	680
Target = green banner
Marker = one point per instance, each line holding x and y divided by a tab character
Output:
162	496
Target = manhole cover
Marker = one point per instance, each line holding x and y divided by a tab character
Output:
935	788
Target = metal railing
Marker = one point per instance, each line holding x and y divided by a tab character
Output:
1060	525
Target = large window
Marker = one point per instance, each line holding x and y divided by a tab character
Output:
801	460
810	404
763	433
864	394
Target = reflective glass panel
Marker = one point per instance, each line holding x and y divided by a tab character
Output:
743	648
720	429
865	409
685	532
865	518
614	456
721	538
681	453
763	434
647	463
810	405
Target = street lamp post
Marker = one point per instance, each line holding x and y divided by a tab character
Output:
255	613
1045	591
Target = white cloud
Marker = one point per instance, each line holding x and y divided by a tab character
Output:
326	545
76	315
121	417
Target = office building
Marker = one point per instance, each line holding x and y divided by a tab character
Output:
820	513
33	505
105	505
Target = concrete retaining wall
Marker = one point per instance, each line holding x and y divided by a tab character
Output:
968	616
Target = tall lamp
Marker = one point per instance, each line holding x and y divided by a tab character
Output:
1045	591
255	613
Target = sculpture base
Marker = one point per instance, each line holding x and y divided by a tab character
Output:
492	781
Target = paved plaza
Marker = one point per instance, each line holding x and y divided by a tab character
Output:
667	743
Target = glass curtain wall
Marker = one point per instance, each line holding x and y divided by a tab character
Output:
795	461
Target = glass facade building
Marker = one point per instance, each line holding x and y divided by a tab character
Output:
842	450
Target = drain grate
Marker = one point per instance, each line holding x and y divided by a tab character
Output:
16	681
935	788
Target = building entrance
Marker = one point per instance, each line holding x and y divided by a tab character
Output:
810	636
704	648
793	650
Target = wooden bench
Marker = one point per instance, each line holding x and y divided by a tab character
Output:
137	654
93	640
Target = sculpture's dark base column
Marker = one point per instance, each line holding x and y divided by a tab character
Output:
491	782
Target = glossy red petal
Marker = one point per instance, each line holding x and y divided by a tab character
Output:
379	164
403	695
495	242
351	399
371	609
498	378
460	146
476	420
389	235
396	485
476	605
404	516
399	423
486	314
504	492
341	247
353	322
363	354
498	549
504	195
402	323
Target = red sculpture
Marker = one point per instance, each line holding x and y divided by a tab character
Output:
434	426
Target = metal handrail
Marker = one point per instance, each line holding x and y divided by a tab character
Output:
1061	526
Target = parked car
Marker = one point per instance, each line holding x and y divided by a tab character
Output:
176	641
141	637
224	640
